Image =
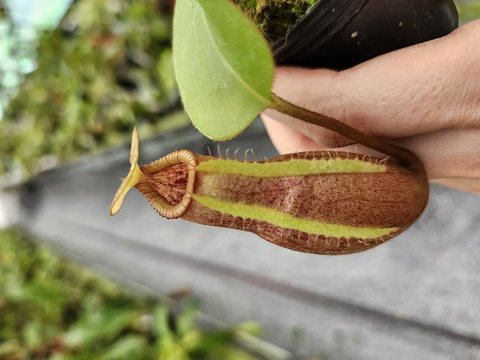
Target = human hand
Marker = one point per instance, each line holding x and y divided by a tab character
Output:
425	98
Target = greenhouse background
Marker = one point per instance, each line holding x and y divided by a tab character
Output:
76	77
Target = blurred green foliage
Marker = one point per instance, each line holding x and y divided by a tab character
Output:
52	309
105	69
468	10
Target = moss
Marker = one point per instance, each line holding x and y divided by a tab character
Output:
275	17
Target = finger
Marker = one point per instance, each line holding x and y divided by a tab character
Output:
287	140
453	153
465	184
315	90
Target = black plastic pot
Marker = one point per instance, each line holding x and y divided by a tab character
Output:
342	33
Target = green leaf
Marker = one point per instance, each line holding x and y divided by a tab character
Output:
105	323
223	65
186	320
128	347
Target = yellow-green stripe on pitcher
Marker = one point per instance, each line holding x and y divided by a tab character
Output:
287	221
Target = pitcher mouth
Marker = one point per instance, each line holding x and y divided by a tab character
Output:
158	202
139	177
